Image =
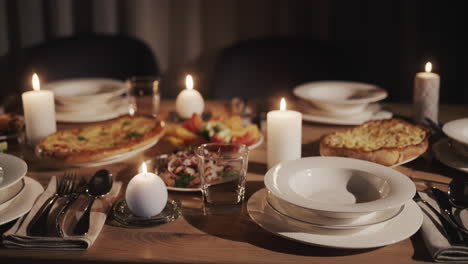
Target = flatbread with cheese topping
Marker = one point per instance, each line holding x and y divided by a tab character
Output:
98	141
387	142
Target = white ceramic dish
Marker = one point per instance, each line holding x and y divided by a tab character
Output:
457	130
77	117
310	217
340	97
14	170
23	203
8	195
386	233
445	154
352	120
86	90
339	187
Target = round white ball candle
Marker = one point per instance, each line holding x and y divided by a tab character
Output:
146	194
284	135
426	95
189	101
39	112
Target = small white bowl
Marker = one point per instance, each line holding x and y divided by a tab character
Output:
339	187
457	130
340	97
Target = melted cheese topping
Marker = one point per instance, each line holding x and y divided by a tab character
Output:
380	134
100	136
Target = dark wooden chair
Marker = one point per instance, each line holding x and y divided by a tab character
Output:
104	56
263	67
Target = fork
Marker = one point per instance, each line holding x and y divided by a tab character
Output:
77	189
38	224
451	231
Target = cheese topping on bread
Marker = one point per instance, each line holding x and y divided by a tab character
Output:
375	135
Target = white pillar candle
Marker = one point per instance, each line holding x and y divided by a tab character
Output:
189	101
426	95
284	135
146	194
39	112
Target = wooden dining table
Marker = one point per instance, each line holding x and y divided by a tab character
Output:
197	237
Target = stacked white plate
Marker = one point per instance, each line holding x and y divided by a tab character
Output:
337	202
17	192
340	102
453	151
89	100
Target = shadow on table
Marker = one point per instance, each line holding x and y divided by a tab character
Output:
239	227
420	251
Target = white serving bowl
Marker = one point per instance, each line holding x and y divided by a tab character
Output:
86	90
14	170
340	97
339	187
457	131
9	194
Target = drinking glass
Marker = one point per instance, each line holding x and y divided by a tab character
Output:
144	86
223	171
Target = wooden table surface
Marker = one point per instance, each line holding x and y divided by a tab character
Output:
199	238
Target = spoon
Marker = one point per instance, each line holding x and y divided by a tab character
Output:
99	185
458	193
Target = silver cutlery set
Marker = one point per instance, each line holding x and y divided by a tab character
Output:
68	189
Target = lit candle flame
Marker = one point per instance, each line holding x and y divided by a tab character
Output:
428	67
189	82
143	168
35	82
282	104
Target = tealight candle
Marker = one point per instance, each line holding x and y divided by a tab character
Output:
426	95
39	112
146	194
284	135
189	101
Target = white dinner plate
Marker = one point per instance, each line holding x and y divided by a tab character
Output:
114	158
390	232
339	187
23	203
352	120
14	170
444	153
457	130
86	90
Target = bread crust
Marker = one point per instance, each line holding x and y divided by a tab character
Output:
387	156
66	154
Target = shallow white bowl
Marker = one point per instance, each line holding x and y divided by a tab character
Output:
86	90
457	130
339	97
14	170
339	187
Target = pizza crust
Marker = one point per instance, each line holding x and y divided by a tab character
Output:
65	145
387	156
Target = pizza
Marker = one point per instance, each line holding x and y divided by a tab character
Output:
387	142
98	141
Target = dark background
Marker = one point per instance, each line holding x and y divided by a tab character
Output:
386	42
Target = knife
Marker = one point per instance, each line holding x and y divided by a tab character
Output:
446	211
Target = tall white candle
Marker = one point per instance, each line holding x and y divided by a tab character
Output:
189	101
39	112
146	194
284	135
426	95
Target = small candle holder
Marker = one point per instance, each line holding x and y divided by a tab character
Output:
122	214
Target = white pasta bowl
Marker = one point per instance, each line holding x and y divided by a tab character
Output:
457	131
340	97
339	187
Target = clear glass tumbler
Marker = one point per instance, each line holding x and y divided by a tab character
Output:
140	87
223	172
